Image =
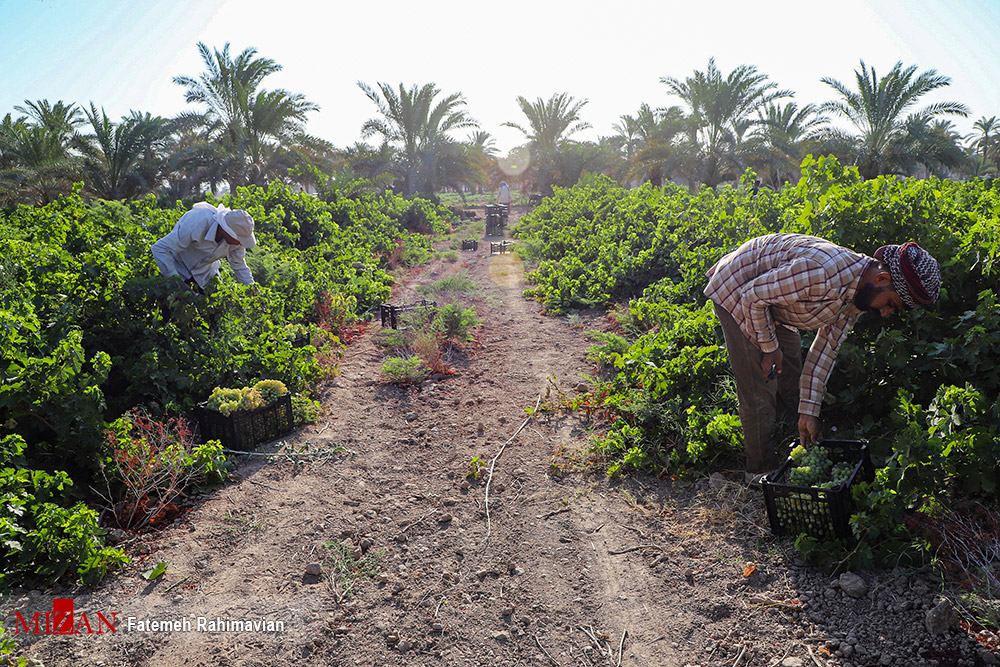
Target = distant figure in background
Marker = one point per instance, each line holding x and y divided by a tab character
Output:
196	245
504	196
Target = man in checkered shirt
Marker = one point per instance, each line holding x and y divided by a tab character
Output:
774	285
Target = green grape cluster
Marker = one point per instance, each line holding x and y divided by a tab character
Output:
224	400
813	467
271	390
227	401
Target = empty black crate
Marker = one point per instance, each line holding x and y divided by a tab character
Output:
494	224
822	513
472	244
242	431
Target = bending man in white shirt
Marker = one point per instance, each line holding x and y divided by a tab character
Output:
196	245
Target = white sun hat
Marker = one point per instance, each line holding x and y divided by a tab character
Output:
239	225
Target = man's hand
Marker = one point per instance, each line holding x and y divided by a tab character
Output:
809	430
771	359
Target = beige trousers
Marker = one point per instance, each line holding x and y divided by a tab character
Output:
762	401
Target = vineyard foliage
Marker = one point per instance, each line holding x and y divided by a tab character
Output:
89	330
923	386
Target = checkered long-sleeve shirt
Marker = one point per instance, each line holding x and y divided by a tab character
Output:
795	280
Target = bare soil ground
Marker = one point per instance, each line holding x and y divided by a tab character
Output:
536	562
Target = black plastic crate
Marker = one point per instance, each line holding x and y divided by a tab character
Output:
497	209
501	247
470	244
392	315
822	513
494	224
244	430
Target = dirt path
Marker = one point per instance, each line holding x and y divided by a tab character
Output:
565	565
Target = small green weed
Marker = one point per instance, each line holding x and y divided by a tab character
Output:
348	564
460	283
8	650
404	370
476	467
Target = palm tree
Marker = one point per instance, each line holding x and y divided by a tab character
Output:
986	140
194	160
250	124
114	154
585	157
782	137
551	123
374	165
928	148
723	108
274	127
35	163
418	124
483	141
880	109
653	143
60	119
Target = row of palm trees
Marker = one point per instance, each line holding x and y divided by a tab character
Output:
245	134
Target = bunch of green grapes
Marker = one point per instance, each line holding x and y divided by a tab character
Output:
250	399
840	473
224	400
227	401
271	390
814	468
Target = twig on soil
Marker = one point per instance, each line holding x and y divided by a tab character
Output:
545	652
814	658
778	661
489	478
597	643
173	586
739	658
416	521
552	514
631	549
717	645
328	452
761	601
636	530
621	645
252	481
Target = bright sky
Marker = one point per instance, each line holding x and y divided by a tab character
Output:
123	54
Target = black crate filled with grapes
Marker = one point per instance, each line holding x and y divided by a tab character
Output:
811	491
246	417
